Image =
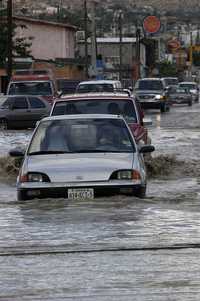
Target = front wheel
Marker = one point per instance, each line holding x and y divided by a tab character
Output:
3	124
140	192
163	108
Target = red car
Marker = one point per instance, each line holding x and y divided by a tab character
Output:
105	103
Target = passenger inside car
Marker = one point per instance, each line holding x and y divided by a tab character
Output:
55	139
113	108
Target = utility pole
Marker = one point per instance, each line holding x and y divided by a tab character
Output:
9	41
120	45
138	50
86	37
93	39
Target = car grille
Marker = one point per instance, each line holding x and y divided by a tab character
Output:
146	97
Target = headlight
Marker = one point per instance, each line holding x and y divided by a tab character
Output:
34	177
160	97
124	175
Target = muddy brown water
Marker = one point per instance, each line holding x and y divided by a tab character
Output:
117	248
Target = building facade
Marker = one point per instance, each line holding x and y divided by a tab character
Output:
50	40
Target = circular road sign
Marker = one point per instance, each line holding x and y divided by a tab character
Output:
151	24
174	44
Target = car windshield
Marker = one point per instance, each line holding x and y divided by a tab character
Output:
149	85
188	86
87	88
31	88
180	90
81	136
100	106
171	81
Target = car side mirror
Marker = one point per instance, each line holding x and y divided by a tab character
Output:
146	149
60	93
17	152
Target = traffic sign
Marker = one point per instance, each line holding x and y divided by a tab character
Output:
151	24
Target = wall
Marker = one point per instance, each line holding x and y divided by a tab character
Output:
50	41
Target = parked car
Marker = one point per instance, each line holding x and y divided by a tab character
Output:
99	86
82	156
106	103
152	94
22	111
193	89
179	95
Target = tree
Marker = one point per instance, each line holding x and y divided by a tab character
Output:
21	46
167	69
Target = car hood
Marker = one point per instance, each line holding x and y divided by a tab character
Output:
80	167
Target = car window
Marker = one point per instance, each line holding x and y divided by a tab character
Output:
82	135
100	106
181	90
87	88
20	103
171	81
149	85
36	103
30	88
188	86
8	102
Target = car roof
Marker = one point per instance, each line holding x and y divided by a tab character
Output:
106	81
86	96
25	95
150	78
194	83
83	116
169	77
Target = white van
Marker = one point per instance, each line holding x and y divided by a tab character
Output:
99	86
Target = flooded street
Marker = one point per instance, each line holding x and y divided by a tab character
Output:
117	248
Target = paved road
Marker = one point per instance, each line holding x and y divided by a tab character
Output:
117	248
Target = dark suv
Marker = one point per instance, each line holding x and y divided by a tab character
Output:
105	103
152	94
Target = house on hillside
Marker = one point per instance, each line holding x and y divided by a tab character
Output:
51	40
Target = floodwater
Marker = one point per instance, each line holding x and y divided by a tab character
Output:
117	248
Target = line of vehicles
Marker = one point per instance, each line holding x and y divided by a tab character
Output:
90	143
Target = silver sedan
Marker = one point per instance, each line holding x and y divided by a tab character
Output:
82	156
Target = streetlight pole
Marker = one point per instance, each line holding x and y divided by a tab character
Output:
93	39
86	37
138	51
9	41
120	45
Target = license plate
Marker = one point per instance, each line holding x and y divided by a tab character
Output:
80	194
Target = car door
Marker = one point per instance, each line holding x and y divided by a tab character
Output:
38	109
18	114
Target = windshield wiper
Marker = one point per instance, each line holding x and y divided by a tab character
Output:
48	152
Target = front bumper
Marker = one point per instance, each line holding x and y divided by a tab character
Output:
180	101
151	104
60	190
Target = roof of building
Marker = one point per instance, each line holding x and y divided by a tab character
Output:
43	22
112	40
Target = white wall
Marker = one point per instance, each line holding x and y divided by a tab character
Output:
49	41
